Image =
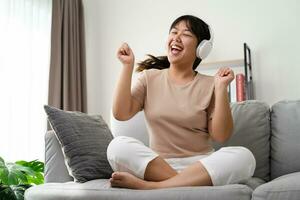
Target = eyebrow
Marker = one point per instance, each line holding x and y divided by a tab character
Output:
183	29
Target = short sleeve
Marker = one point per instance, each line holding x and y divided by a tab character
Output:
138	91
211	107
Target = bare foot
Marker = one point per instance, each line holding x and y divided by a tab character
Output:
127	180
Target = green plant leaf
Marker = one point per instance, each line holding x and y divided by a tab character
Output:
35	175
35	165
26	170
4	176
17	174
12	179
22	172
37	179
19	190
1	161
15	178
13	192
21	176
6	193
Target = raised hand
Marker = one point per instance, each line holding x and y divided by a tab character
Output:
223	77
125	55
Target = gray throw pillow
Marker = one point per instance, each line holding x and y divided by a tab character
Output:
84	139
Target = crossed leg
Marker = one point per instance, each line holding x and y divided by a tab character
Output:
159	174
238	164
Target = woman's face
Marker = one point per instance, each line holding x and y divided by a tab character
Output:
181	45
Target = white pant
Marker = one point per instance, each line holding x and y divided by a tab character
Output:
228	165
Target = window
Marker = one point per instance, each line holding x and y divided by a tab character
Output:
24	68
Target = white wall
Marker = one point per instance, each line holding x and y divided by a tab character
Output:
269	27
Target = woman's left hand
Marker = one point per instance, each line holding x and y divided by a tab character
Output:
223	77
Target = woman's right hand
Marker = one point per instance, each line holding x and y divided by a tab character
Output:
125	55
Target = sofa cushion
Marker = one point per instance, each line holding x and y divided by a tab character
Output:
285	187
253	182
84	139
252	130
285	138
100	189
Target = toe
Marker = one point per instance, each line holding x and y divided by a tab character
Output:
116	176
115	183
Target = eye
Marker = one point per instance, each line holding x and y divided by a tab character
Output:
187	35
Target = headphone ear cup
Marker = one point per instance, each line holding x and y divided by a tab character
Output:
203	49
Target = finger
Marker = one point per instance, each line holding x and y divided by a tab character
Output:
122	52
224	72
227	71
123	49
126	48
231	75
220	71
230	72
125	45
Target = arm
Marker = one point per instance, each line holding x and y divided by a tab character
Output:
124	105
221	125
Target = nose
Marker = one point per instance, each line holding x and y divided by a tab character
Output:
177	38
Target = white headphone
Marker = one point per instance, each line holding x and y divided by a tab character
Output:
205	46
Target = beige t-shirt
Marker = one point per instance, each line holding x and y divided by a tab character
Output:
176	115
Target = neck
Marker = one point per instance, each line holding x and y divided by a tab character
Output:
181	72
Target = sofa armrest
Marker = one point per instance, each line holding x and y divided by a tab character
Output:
284	187
55	168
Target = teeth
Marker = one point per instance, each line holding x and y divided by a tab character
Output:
176	47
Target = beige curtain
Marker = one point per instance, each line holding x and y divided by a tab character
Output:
67	79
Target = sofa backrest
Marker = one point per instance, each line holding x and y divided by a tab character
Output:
55	167
135	127
285	138
251	130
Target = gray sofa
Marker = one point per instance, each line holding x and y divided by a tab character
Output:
272	134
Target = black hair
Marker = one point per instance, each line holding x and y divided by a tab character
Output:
197	26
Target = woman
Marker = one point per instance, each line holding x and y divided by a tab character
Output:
184	110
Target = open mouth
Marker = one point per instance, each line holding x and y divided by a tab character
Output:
175	49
